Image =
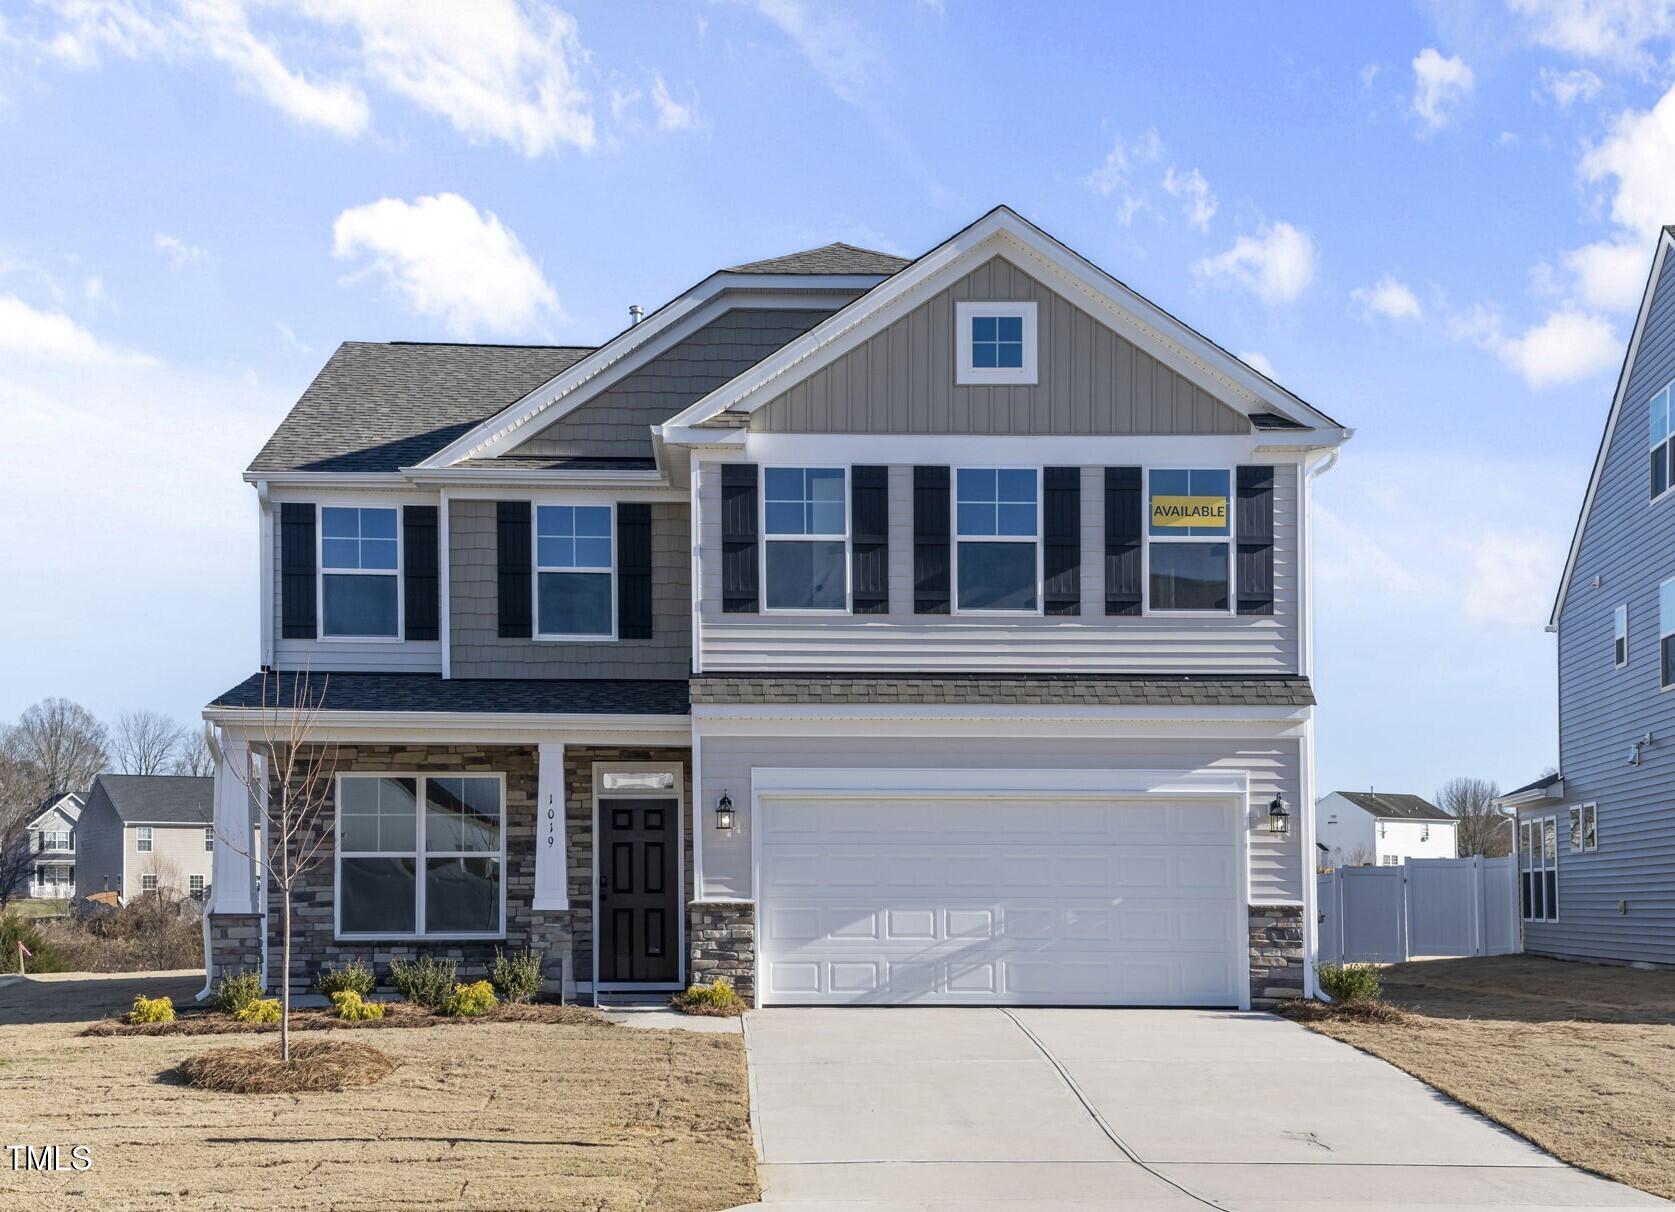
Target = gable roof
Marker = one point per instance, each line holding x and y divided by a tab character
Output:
55	800
1059	267
378	406
162	799
1666	241
836	258
1393	806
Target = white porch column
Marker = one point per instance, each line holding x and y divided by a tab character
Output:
233	869
552	888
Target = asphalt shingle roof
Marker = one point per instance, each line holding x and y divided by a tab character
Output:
828	259
378	406
984	689
1396	807
173	799
1541	784
430	692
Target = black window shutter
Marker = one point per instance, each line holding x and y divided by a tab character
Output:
633	571
741	578
296	572
514	563
419	568
1256	540
931	554
1124	516
1061	553
869	542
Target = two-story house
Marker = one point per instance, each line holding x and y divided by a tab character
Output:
864	630
143	833
48	839
1596	841
1381	828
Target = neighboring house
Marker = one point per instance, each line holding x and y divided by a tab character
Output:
1382	828
147	833
1596	842
49	840
863	630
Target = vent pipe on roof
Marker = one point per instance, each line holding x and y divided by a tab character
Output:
636	313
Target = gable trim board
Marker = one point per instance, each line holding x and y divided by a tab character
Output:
1666	242
1058	267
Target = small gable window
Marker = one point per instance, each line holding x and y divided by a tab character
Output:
359	573
573	564
1663	442
995	343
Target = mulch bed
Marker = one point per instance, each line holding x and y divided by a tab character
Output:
315	1065
1342	1012
396	1014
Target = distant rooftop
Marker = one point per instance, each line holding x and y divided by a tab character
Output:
1393	806
828	259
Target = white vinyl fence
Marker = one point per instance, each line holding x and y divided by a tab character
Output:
1385	915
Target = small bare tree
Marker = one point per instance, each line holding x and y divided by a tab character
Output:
146	741
296	802
194	756
1483	828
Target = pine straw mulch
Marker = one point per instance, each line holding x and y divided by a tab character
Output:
316	1064
1343	1012
396	1014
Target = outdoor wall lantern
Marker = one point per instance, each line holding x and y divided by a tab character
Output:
724	812
1279	819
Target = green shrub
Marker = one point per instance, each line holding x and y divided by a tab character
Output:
236	990
354	977
1350	983
352	1006
719	998
429	982
43	956
516	977
151	1009
468	1001
261	1010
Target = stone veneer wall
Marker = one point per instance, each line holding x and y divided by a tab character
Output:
1276	955
235	943
721	941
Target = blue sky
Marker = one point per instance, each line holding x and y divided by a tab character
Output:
1434	222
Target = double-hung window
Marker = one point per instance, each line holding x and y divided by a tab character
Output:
574	560
142	839
195	887
805	528
360	582
148	883
420	855
997	553
1666	633
1619	637
1662	442
1188	548
1538	868
1584	828
209	839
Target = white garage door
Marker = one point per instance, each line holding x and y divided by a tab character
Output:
999	902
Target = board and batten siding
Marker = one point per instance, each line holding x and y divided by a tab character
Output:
1274	766
1090	379
479	651
1629	544
617	422
1092	642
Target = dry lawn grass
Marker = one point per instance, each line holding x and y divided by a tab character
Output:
497	1115
316	1064
1578	1058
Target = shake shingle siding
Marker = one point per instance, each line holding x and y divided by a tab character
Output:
1629	544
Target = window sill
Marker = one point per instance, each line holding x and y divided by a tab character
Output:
574	639
420	938
358	639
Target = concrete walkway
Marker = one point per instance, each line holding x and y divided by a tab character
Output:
992	1110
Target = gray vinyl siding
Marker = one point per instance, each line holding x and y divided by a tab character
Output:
1274	766
478	651
617	422
1090	380
98	848
1630	545
1091	642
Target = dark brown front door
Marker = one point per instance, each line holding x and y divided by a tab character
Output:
639	905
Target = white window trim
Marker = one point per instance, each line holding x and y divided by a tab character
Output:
1231	538
149	883
209	840
418	854
1578	817
535	571
1668	438
765	538
967	374
955	537
142	839
321	571
195	887
1619	631
1533	861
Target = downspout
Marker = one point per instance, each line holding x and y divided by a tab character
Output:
1311	881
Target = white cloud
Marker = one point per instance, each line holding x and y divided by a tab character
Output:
1611	274
839	50
1260	361
1438	85
1570	344
1635	161
28	333
1388	297
1614	30
1191	187
447	261
1509	575
223	30
1114	173
1369	73
1566	88
1277	264
288	339
671	114
178	252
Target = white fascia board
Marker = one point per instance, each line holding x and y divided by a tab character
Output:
56	806
251	724
1535	796
334	479
1152	450
1665	243
1002	230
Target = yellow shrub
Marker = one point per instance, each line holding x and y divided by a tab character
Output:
151	1009
470	1000
262	1010
719	998
354	1007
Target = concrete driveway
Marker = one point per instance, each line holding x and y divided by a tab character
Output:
1138	1109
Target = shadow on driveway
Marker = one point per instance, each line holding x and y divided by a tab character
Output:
78	997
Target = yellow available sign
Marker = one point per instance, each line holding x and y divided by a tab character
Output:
1189	511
